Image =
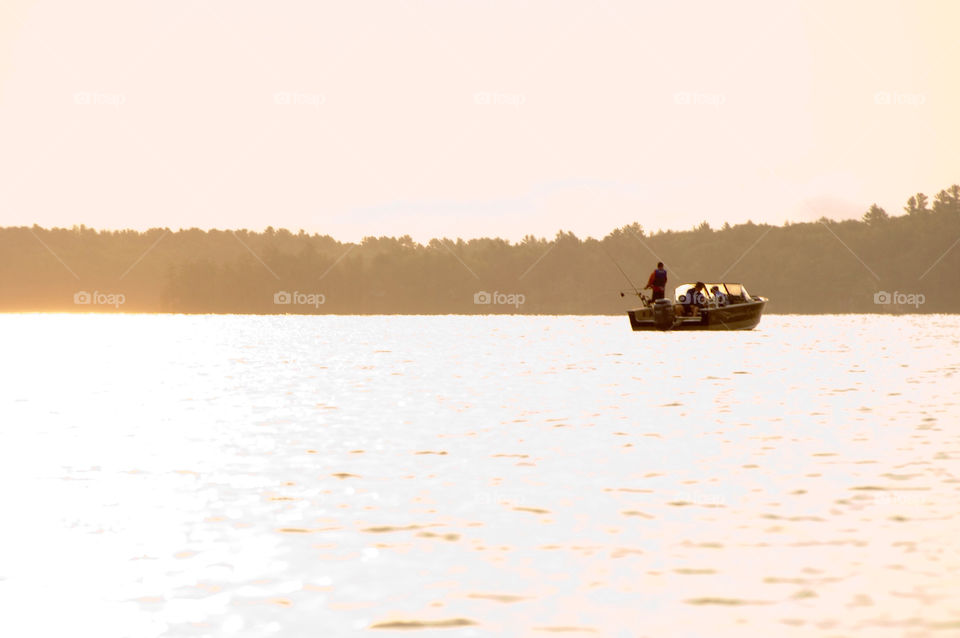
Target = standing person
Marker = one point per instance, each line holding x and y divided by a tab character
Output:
657	281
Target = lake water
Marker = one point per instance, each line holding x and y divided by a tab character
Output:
478	476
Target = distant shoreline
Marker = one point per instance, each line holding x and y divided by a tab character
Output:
896	265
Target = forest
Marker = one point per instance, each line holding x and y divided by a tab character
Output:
883	263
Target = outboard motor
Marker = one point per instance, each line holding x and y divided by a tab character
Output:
663	314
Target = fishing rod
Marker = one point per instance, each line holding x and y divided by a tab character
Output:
635	289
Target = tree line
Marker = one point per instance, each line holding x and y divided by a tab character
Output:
817	267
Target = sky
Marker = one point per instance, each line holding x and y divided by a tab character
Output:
469	118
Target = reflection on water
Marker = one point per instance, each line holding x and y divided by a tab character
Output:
251	476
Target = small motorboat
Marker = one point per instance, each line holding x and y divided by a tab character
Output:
721	306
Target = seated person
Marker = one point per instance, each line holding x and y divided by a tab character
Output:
694	299
719	298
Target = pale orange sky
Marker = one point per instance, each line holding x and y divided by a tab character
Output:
467	118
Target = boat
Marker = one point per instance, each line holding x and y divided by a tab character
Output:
733	309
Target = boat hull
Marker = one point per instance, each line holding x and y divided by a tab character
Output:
743	316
